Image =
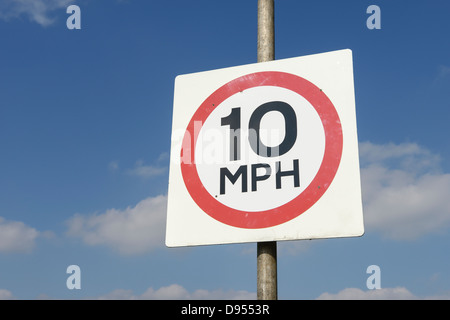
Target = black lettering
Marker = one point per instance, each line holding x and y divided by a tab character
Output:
241	171
290	137
234	121
255	177
294	172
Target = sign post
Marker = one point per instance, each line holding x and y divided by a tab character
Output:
266	251
265	152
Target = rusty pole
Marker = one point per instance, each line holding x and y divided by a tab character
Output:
266	251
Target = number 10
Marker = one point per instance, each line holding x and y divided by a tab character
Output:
234	121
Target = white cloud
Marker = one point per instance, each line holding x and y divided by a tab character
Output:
444	296
177	292
113	166
15	236
444	71
398	293
293	247
118	294
143	171
6	295
405	194
39	11
134	230
408	156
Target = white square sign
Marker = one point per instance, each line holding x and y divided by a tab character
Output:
265	152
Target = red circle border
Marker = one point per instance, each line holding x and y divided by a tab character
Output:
305	200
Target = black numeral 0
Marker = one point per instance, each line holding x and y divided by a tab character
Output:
234	121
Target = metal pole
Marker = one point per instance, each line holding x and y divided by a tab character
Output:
266	251
266	30
267	271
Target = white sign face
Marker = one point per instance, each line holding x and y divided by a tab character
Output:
265	152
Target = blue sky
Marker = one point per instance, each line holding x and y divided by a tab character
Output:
85	124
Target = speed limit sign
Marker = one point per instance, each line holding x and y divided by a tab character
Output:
265	152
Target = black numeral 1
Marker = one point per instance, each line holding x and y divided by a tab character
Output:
234	121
